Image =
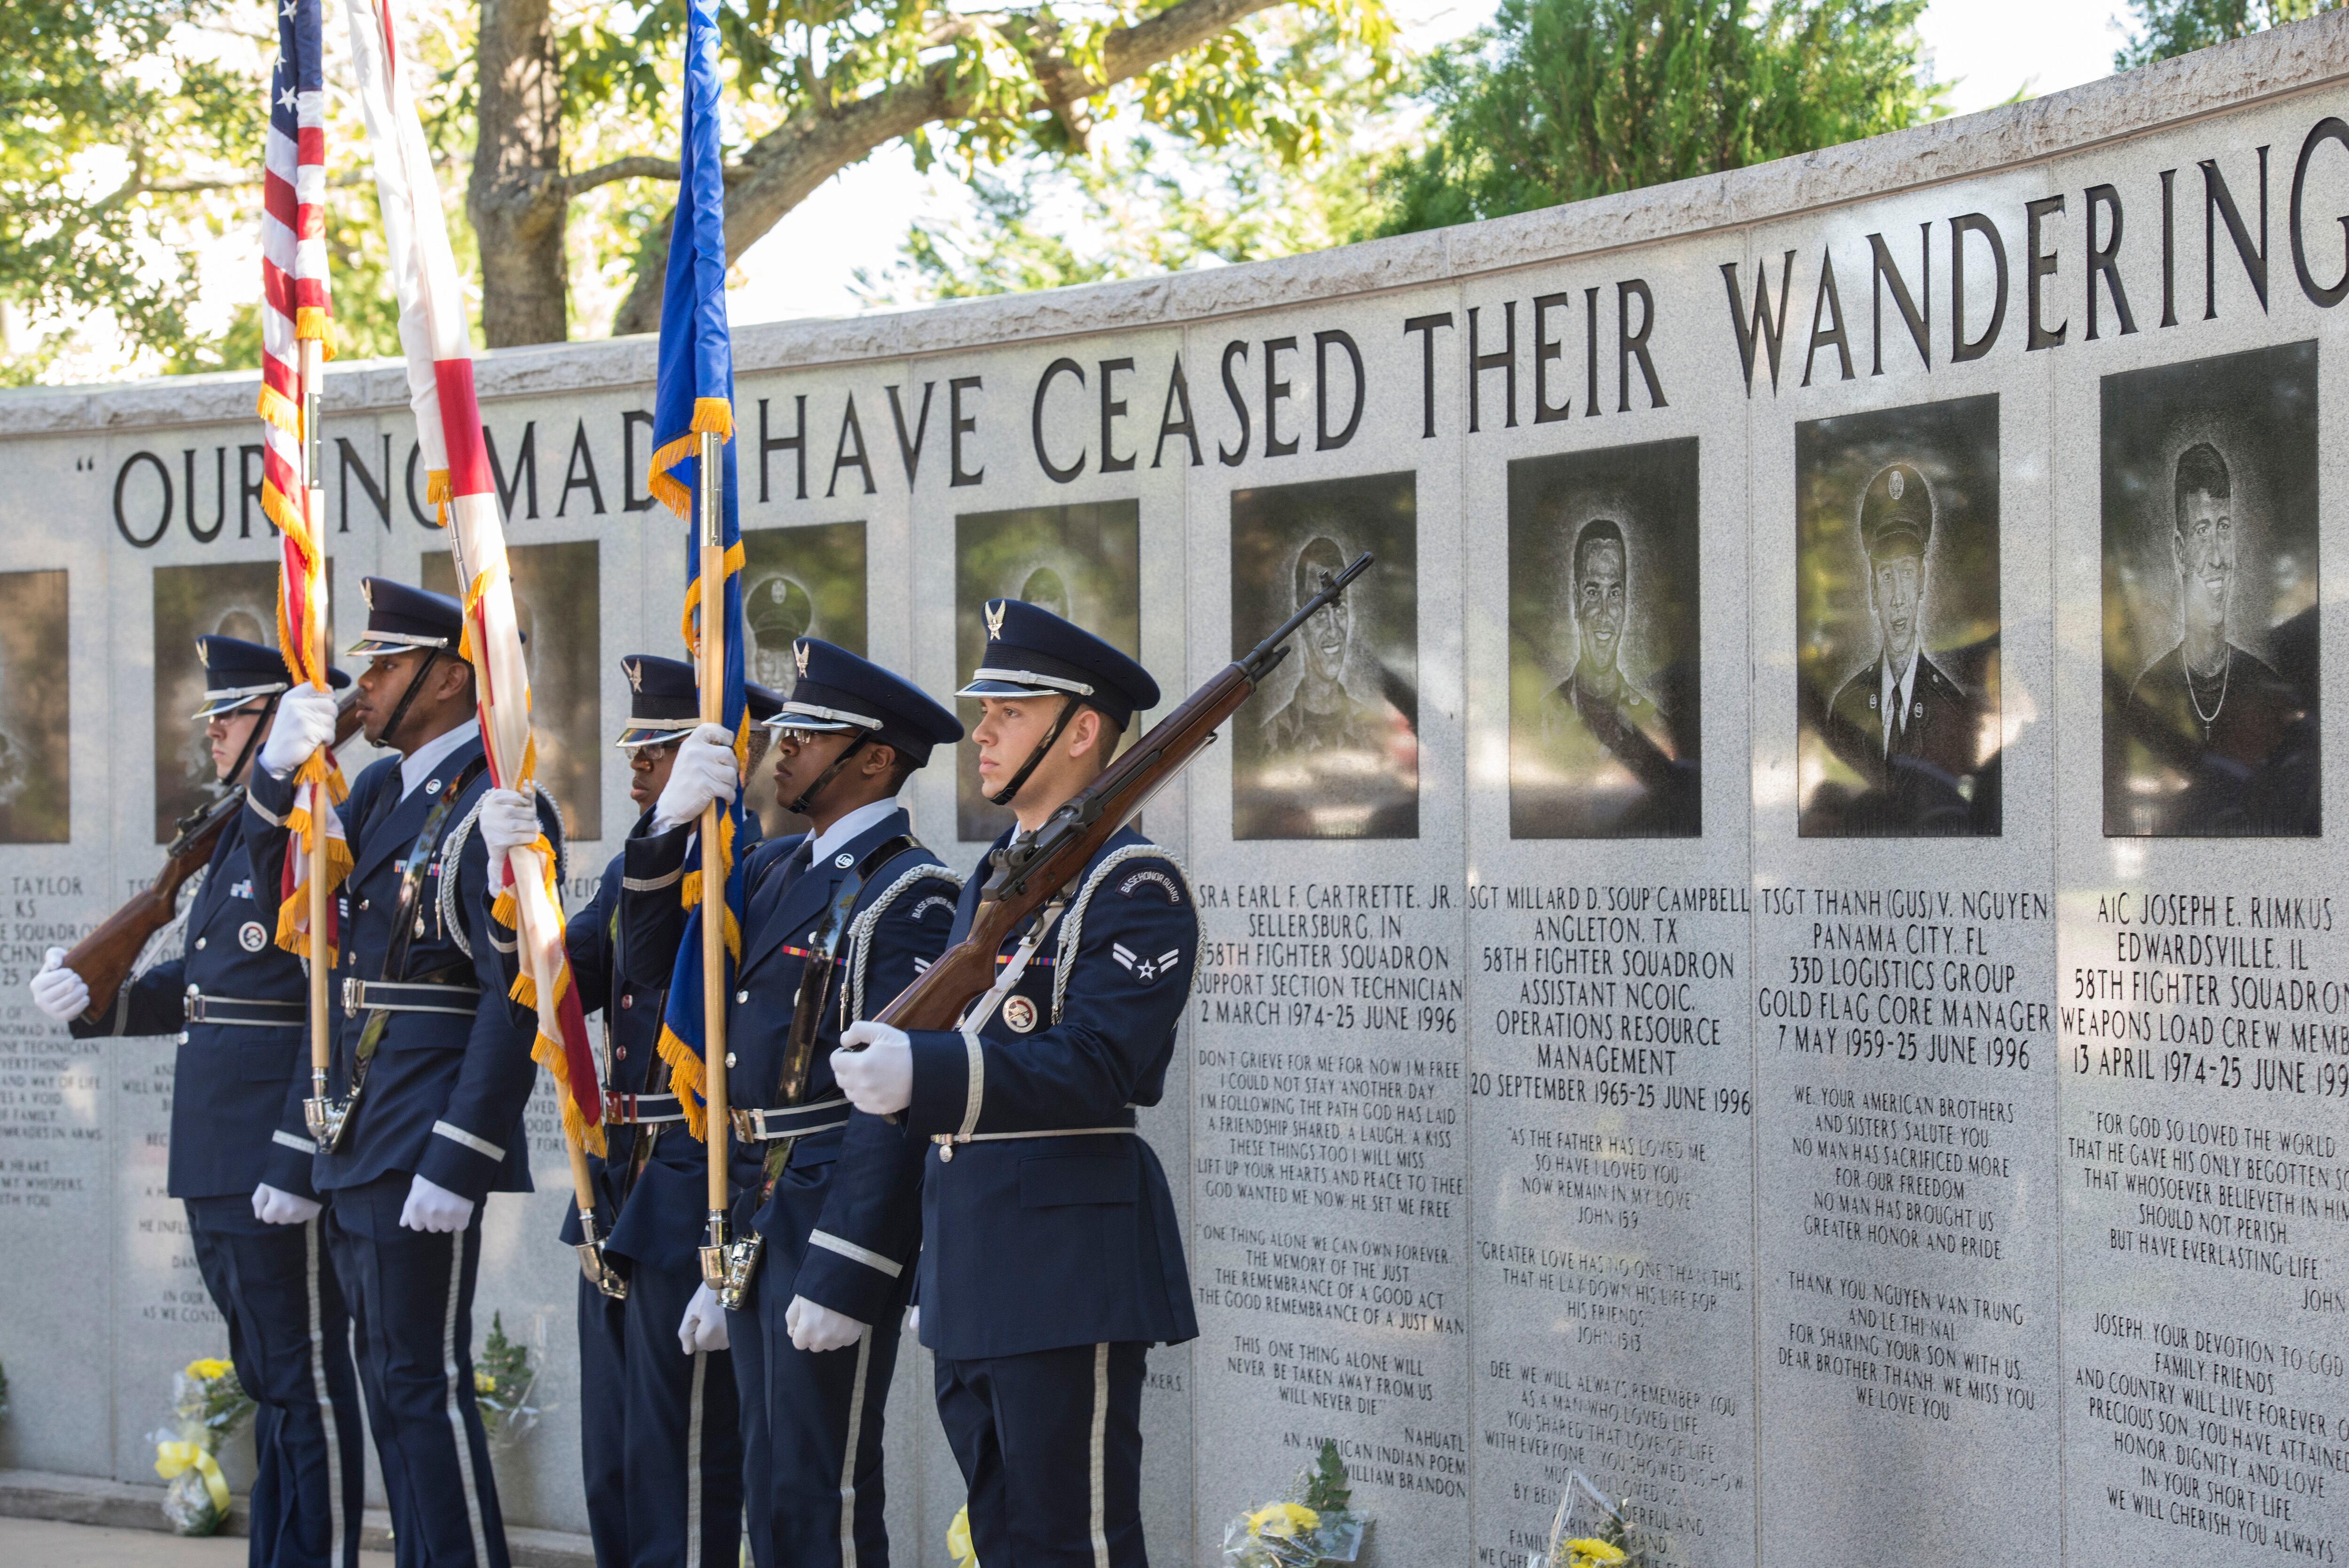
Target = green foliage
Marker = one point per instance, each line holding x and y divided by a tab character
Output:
137	78
1327	1491
1564	100
1139	209
2169	27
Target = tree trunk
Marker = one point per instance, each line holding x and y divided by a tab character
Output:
518	200
782	168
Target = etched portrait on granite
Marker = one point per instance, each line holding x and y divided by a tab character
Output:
1082	562
796	582
1332	748
226	599
1603	664
557	586
36	717
2211	674
1897	562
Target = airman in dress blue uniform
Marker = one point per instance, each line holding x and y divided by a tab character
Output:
1028	1111
431	1062
237	1003
837	921
646	1410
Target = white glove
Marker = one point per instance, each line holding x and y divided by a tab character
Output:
432	1208
508	820
305	721
276	1206
704	1328
703	772
57	990
914	1320
817	1327
879	1079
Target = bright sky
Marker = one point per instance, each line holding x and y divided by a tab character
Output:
805	266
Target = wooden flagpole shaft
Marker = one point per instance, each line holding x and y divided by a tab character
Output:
712	529
314	505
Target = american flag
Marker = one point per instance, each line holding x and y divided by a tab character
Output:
293	300
294	312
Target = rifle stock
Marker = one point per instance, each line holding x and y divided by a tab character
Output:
103	958
1027	875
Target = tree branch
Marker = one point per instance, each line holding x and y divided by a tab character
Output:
586	179
784	167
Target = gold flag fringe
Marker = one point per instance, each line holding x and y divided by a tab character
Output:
712	416
686	1080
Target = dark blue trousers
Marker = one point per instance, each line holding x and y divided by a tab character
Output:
289	1339
1049	1445
824	1434
747	1354
603	1423
412	1300
683	1474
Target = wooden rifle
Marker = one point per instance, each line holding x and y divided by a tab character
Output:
104	958
1029	872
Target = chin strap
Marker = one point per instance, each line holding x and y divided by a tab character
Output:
1004	796
799	808
251	742
415	685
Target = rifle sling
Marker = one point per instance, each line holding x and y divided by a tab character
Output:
815	978
407	921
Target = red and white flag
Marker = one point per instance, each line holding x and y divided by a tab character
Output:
434	336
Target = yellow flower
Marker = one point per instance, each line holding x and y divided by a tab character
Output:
1591	1553
207	1367
1282	1520
958	1545
484	1384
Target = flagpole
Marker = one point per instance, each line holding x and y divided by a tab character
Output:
712	529
313	496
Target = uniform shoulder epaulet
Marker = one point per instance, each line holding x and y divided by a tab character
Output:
860	932
1115	870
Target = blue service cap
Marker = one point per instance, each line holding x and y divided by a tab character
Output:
762	704
1031	652
236	672
664	703
838	691
401	617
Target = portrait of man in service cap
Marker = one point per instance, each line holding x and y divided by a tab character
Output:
804	582
557	591
1897	571
230	599
1603	656
2211	671
1335	753
35	798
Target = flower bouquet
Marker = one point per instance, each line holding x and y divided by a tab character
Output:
209	1406
1589	1532
502	1380
1311	1524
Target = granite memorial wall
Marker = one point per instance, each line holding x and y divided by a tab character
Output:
1778	952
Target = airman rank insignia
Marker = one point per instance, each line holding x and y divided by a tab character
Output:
1144	969
1019	1014
252	936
